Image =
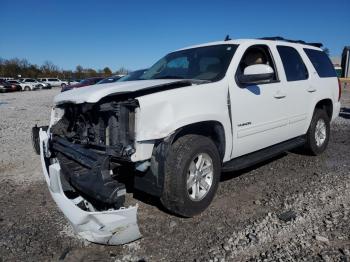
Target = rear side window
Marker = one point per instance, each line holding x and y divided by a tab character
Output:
321	63
293	64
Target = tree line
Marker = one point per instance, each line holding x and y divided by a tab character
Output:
21	67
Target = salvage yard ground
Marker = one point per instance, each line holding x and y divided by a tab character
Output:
295	207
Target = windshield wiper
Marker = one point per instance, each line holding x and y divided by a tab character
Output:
169	77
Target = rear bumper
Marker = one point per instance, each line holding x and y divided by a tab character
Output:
112	227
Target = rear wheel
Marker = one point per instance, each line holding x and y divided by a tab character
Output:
317	137
192	173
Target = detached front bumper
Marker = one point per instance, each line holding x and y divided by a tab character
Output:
112	227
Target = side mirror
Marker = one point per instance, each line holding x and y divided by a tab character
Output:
256	74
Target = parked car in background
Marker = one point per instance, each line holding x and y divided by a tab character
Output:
6	78
85	82
54	81
135	75
109	80
73	81
17	82
9	87
29	83
43	85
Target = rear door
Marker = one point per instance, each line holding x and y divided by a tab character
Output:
259	116
295	77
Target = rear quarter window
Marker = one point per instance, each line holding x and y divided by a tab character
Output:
321	63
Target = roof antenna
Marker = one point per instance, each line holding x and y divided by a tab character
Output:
227	38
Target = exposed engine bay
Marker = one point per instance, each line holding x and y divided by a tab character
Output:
91	142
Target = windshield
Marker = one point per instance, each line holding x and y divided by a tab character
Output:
203	63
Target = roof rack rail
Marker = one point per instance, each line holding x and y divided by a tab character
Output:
278	38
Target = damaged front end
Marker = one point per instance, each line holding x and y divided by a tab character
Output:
82	153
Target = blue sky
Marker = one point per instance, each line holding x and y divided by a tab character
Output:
135	34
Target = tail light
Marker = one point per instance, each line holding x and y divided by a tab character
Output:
339	85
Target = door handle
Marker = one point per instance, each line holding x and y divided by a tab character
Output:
311	89
279	95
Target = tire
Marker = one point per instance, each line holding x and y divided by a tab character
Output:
63	85
26	88
180	170
41	86
317	136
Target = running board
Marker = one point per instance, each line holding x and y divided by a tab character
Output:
262	155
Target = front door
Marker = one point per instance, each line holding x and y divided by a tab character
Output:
259	118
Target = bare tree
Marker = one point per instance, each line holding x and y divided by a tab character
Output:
49	69
122	71
14	67
107	71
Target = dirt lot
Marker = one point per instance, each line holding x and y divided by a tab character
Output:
294	207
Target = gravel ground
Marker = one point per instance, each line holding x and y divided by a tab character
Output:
294	207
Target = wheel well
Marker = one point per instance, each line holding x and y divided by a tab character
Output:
211	129
327	105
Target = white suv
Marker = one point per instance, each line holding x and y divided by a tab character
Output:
198	111
54	81
28	84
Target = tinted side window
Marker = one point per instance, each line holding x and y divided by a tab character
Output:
293	64
321	62
52	79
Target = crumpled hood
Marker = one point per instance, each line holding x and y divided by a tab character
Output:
92	94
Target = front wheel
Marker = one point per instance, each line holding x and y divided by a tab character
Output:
27	88
317	137
192	173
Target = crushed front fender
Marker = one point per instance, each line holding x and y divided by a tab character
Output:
111	227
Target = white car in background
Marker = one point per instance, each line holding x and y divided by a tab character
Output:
29	85
43	85
54	81
17	83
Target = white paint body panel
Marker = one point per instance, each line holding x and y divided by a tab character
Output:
258	69
162	113
94	93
